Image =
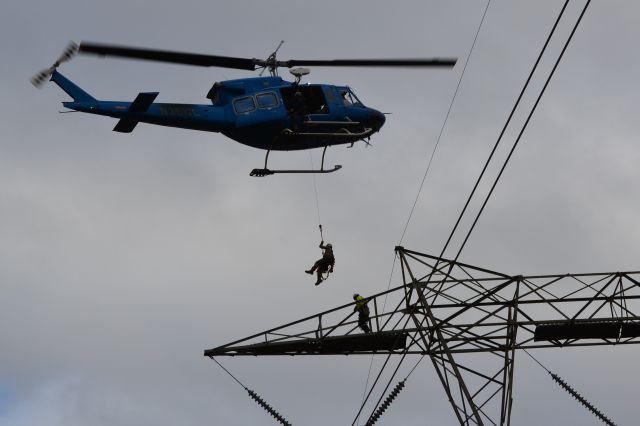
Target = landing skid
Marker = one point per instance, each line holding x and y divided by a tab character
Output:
266	172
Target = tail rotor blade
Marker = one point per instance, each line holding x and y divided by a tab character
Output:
39	79
69	53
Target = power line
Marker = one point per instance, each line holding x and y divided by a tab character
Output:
504	128
535	105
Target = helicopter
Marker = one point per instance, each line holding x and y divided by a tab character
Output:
265	112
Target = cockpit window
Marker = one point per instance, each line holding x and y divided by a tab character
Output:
244	105
267	100
349	98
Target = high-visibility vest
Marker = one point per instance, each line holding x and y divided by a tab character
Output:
361	303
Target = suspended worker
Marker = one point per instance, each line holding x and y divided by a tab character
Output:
363	312
325	264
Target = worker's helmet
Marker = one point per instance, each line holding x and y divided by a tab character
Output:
355	296
329	245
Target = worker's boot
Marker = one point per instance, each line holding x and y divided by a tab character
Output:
310	271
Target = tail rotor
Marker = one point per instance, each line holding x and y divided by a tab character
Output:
39	79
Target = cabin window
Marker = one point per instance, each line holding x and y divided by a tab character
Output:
244	105
267	100
349	98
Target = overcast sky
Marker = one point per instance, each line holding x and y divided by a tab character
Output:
123	256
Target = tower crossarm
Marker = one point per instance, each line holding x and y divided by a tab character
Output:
469	312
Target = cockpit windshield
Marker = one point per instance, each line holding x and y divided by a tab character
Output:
349	98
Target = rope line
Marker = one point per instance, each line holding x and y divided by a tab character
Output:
500	138
444	124
384	305
392	396
424	177
393	375
404	354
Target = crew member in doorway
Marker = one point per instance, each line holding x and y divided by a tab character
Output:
363	312
325	264
298	110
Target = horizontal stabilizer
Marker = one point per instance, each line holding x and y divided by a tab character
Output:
143	101
125	125
140	104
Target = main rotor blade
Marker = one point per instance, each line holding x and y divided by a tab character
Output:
167	56
412	63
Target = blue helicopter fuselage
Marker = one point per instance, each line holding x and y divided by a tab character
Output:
263	112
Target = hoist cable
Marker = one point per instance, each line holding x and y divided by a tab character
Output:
315	190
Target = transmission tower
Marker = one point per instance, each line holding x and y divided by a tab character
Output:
470	322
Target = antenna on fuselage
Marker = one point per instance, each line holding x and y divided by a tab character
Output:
298	72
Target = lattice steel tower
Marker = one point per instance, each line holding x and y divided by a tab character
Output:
470	322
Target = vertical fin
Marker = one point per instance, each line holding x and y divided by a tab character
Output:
71	89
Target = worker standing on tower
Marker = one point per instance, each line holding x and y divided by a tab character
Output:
363	312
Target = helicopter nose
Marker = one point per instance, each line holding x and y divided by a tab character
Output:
377	119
